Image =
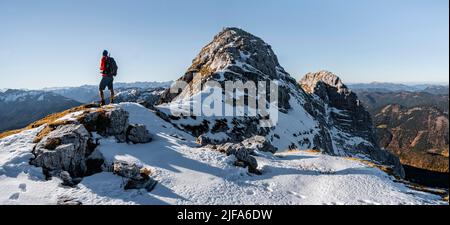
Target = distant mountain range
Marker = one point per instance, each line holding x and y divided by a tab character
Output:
375	101
396	87
89	93
18	108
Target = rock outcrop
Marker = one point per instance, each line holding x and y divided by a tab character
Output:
138	133
233	55
138	177
319	112
242	154
339	107
66	147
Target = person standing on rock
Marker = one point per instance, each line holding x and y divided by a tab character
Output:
108	69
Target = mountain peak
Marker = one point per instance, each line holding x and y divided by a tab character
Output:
233	54
310	81
236	50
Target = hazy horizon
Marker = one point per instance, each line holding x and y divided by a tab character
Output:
54	43
437	83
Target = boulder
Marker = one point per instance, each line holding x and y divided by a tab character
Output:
137	177
66	179
107	122
64	149
127	169
243	155
203	140
138	133
118	121
260	143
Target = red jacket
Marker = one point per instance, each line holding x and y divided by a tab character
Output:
102	66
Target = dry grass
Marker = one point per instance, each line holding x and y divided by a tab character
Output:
50	120
315	151
308	150
383	168
436	191
49	128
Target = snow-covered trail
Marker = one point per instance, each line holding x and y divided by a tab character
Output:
188	174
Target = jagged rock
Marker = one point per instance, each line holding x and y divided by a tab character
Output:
138	133
224	148
339	107
127	170
66	149
137	176
107	121
118	122
259	142
243	154
234	54
66	178
203	140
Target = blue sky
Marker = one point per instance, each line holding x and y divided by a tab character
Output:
50	43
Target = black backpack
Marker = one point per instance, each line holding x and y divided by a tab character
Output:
111	67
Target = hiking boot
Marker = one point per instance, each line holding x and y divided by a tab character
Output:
102	102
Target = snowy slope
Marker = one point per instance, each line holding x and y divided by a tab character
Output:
188	174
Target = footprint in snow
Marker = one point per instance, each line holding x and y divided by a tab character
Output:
296	194
23	187
267	186
14	196
250	192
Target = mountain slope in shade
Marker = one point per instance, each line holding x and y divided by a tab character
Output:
18	108
321	113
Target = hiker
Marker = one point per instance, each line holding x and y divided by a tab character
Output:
108	69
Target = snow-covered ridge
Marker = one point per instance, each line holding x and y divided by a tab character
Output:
89	93
12	95
180	165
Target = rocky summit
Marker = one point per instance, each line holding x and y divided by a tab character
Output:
234	54
318	112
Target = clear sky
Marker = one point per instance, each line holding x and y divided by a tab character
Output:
50	43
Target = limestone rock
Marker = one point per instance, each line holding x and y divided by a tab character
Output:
65	148
138	133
